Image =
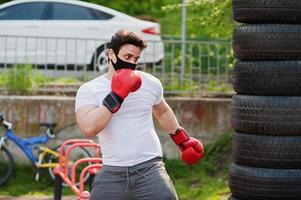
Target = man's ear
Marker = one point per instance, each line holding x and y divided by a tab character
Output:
111	55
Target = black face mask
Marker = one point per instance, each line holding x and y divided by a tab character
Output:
120	64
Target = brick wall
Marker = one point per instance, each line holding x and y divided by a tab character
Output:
203	118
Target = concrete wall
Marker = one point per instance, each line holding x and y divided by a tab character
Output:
203	118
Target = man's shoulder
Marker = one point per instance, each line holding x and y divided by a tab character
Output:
148	76
95	83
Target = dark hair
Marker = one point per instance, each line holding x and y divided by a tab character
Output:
126	36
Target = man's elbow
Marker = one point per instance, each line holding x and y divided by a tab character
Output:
89	132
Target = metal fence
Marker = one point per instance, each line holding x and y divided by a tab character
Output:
206	61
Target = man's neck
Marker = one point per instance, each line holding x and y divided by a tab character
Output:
110	72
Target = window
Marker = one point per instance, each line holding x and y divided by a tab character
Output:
23	11
98	15
62	11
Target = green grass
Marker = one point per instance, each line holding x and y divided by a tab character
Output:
23	183
205	181
214	86
208	179
63	81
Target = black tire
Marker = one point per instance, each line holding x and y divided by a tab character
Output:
266	11
264	184
267	42
99	61
7	165
277	152
274	78
278	115
233	198
77	153
69	131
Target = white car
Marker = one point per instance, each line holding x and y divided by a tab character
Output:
63	32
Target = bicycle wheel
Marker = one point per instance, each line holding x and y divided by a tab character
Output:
68	131
6	165
76	154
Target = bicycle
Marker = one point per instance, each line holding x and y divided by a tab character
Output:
46	157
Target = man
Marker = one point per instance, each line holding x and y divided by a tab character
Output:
117	107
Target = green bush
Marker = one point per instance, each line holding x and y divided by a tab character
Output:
214	86
2	80
19	79
64	81
176	84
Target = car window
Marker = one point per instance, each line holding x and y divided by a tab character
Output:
23	11
62	11
98	15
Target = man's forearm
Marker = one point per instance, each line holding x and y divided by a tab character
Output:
168	121
191	148
93	120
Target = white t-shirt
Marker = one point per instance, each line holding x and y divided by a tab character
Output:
129	138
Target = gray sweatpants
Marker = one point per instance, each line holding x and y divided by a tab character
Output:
145	181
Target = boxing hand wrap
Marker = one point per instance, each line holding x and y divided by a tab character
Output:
124	81
113	102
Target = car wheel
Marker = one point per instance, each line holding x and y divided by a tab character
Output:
100	62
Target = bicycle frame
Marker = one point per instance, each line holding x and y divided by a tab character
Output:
45	151
26	145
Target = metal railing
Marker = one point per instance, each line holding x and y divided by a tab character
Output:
85	59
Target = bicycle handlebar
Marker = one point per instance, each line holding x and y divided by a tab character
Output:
7	124
49	133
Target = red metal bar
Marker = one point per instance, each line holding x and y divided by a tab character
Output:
59	171
84	172
71	141
70	148
62	169
80	161
84	195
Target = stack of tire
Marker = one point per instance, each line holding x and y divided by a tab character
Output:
266	112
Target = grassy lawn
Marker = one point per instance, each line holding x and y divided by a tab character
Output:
23	183
205	181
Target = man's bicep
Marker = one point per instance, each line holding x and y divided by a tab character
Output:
85	97
160	108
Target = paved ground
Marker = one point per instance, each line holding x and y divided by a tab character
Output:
35	198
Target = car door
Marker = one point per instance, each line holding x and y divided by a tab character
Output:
20	29
74	32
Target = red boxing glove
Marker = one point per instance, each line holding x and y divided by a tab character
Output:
124	81
192	149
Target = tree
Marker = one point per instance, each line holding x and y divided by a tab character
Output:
208	18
